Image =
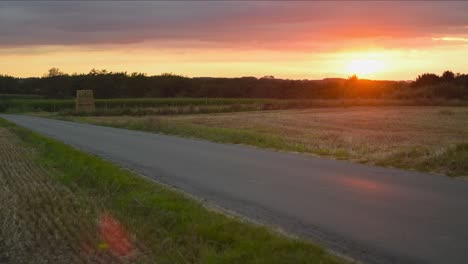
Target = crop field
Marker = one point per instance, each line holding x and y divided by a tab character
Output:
433	139
19	96
171	106
54	105
143	106
60	205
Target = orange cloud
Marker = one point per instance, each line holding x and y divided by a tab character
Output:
456	39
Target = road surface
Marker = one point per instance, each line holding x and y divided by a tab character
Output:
372	214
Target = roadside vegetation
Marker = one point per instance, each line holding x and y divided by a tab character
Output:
430	139
60	205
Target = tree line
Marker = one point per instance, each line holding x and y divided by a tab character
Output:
105	84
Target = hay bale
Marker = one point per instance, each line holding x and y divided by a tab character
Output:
84	101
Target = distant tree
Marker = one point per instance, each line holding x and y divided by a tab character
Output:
426	79
169	74
94	71
353	78
54	72
137	74
448	76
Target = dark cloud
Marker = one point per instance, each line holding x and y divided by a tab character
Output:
233	24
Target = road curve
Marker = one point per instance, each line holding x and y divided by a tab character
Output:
373	214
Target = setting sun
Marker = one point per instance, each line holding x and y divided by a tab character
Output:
365	67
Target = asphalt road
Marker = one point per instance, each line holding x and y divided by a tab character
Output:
373	214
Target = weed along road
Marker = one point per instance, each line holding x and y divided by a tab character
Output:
373	214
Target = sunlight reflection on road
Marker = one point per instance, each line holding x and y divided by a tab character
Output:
360	184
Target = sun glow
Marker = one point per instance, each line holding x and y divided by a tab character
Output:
365	67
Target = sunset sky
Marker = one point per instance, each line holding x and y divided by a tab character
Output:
298	40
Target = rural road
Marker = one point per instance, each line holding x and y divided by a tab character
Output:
373	214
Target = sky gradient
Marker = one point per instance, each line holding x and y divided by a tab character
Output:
298	40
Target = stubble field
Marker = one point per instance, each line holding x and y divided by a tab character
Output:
43	221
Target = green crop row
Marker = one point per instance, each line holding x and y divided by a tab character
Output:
54	105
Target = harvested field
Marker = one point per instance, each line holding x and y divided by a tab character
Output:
43	221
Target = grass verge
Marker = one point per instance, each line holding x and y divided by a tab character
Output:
452	162
170	227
